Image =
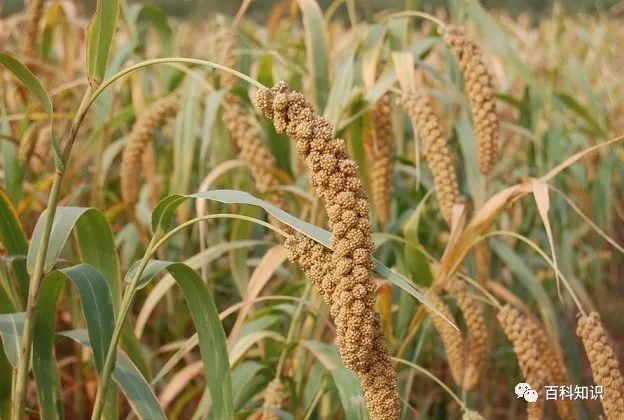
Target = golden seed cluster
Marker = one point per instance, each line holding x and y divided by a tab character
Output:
274	398
379	147
604	364
477	342
483	259
31	32
41	149
436	150
244	132
227	79
554	367
144	128
333	174
316	261
480	90
452	339
26	144
519	332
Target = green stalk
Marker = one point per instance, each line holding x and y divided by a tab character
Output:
292	331
111	354
21	381
21	376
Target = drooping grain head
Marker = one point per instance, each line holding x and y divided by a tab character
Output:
518	331
31	32
480	90
243	130
142	132
379	148
333	175
41	149
437	152
554	367
477	342
452	339
274	398
604	364
316	261
483	259
27	144
228	80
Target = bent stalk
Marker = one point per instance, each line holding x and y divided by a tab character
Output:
21	380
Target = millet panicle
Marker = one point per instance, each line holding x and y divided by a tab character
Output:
333	175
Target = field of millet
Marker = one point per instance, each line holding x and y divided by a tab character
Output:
322	213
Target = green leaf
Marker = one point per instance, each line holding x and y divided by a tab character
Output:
184	151
127	376
316	50
573	105
14	240
97	308
346	381
339	94
159	20
205	317
165	209
96	246
100	34
87	221
13	170
28	79
163	213
468	145
247	382
493	33
11	326
6	306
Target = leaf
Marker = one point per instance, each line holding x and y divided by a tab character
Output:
540	193
404	68
163	215
346	381
11	326
205	317
245	382
494	34
96	246
195	262
316	50
13	170
64	222
100	34
339	94
264	271
14	240
159	20
467	143
572	104
97	308
245	342
185	137
28	79
127	376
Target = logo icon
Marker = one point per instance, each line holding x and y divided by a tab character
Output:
524	390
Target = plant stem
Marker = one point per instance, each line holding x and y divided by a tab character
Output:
291	331
21	381
111	354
